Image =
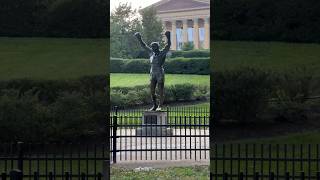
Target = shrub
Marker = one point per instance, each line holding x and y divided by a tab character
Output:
191	54
188	66
60	110
188	46
140	95
292	91
174	66
241	95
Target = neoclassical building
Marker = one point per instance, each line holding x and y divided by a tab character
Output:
187	20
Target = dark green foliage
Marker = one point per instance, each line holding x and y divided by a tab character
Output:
241	94
252	95
152	26
191	54
265	20
57	18
40	111
188	66
123	24
290	97
188	46
140	95
172	66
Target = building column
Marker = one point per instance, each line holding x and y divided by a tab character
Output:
207	33
185	30
174	35
196	33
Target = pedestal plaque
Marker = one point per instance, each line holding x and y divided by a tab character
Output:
154	123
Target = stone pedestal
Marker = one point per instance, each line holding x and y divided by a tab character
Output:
150	124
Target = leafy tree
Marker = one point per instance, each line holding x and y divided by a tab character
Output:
152	25
124	23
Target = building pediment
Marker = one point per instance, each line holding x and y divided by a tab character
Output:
181	5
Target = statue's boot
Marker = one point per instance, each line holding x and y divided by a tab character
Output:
154	107
160	105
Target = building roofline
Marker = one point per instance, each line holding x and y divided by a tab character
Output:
165	1
186	9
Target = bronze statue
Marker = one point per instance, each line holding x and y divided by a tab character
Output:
157	59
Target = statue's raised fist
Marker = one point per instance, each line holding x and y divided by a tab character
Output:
167	33
137	34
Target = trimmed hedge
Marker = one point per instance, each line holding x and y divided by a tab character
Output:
173	66
251	95
140	95
190	54
75	110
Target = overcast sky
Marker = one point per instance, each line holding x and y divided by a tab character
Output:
135	3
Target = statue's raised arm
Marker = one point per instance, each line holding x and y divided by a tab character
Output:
142	43
168	45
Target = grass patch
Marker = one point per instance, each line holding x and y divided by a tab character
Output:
197	172
275	56
52	58
130	80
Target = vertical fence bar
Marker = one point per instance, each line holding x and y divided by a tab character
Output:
50	176
277	160
256	176
36	175
20	156
261	161
309	161
287	176
114	139
67	175
225	176
271	176
293	161
83	176
4	176
16	175
302	175
99	176
241	176
231	160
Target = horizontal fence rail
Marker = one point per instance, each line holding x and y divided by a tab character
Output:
271	176
61	161
171	111
250	160
189	139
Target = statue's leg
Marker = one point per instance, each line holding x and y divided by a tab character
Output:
153	83
161	90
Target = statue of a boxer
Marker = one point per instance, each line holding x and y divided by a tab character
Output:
157	59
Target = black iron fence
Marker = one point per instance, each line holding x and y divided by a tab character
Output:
54	161
261	161
171	111
228	161
180	137
271	176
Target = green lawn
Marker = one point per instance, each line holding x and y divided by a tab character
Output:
266	55
52	58
130	80
56	58
197	172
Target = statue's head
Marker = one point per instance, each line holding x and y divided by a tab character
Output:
155	46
